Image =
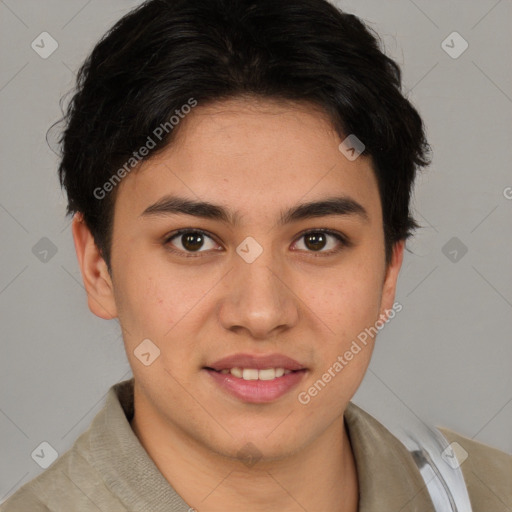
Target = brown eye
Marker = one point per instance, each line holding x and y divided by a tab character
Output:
190	241
317	241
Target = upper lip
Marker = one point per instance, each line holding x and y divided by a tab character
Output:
259	362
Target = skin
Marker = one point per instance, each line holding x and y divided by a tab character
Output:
254	157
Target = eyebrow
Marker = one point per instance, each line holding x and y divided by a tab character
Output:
174	205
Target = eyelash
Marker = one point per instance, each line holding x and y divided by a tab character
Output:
338	236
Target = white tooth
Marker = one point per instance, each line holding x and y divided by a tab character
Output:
255	374
250	374
237	372
267	374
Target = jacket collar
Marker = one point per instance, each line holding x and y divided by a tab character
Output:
388	476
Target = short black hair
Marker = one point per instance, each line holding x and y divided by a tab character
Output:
169	53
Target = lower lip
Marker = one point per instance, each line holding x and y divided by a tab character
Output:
257	391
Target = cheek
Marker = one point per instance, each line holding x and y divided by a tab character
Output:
346	300
150	305
350	309
355	308
144	297
158	301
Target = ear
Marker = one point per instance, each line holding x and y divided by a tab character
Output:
390	281
95	275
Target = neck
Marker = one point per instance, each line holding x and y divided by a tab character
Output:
321	476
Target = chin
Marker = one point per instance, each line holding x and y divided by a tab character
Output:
260	448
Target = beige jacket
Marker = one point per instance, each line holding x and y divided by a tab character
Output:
107	469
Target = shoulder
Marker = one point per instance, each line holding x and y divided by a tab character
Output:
22	500
70	483
487	472
35	495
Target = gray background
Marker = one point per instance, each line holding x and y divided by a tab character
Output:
445	358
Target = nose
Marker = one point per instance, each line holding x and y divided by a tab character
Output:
258	301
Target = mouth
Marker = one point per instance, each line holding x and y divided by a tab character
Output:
256	379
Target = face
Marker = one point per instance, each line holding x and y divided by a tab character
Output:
250	302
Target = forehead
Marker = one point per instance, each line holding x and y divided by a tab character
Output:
255	156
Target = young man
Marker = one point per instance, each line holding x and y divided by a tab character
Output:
240	174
